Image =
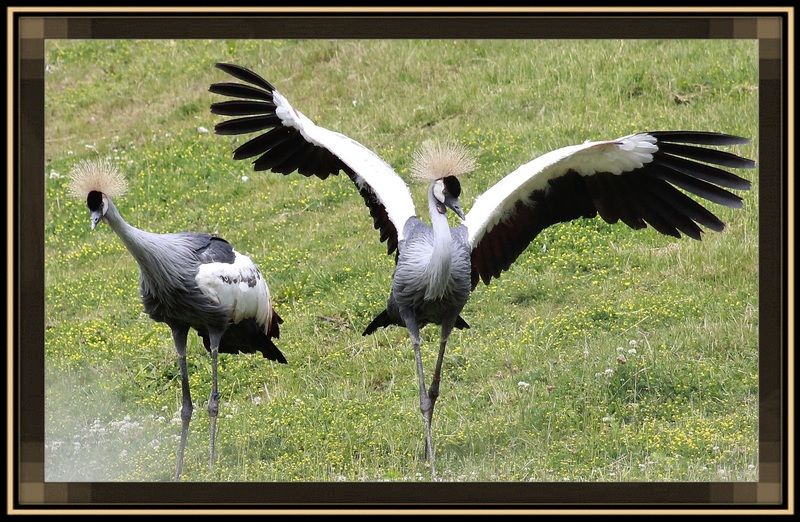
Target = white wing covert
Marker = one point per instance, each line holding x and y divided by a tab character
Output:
239	288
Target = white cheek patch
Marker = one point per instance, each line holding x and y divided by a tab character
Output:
438	190
105	205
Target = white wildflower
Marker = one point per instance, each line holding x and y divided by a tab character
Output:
202	130
245	178
523	385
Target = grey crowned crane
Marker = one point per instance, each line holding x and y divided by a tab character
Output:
633	179
188	280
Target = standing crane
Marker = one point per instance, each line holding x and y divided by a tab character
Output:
633	179
188	280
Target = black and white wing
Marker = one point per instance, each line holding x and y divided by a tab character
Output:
295	143
634	179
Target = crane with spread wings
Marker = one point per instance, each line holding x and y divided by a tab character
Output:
634	179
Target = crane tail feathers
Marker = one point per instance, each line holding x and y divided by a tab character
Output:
271	352
274	331
246	337
381	321
461	324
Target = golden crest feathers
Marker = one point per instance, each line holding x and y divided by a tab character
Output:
435	160
96	175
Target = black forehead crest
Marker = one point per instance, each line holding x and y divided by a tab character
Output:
94	200
452	185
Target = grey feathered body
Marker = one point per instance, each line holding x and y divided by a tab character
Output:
411	279
167	278
168	265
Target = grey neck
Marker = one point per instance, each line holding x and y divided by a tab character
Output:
138	242
164	259
127	233
441	257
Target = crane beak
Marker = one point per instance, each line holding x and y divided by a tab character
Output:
96	216
454	205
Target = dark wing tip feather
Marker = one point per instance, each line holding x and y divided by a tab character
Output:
246	125
713	156
240	90
667	158
699	137
242	108
244	74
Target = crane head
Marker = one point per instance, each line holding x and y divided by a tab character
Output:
96	182
98	206
446	191
441	163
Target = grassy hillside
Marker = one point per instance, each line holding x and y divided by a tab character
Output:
604	354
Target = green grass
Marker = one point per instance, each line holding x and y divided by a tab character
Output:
604	354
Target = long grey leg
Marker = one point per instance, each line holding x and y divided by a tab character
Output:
213	400
433	391
179	334
424	401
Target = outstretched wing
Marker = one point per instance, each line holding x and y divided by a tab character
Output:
295	143
632	179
